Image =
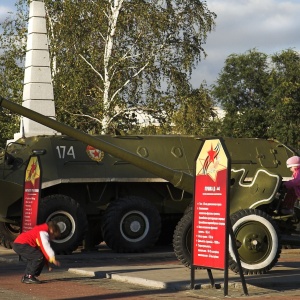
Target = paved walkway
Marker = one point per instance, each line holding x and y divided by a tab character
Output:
160	269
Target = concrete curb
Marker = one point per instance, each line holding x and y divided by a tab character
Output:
169	274
121	278
138	281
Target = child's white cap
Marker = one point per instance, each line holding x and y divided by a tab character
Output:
293	161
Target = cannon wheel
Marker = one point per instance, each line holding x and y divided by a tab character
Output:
8	233
257	240
182	238
70	218
249	226
131	224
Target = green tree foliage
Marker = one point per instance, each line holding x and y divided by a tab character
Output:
284	100
12	56
260	95
195	112
241	89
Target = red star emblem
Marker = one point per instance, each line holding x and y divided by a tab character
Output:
32	169
211	160
96	153
211	153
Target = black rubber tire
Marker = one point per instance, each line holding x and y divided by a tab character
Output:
182	239
131	224
261	223
257	240
189	207
70	217
8	233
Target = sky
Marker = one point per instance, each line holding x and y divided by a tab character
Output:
270	26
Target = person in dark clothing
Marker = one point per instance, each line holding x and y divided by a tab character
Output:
34	246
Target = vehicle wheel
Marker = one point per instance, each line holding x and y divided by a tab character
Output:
8	233
190	207
131	224
69	216
257	239
182	239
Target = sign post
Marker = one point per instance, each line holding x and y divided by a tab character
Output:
211	223
31	195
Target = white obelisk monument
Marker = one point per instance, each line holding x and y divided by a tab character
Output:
38	88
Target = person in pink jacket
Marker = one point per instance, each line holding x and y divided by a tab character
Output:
292	186
34	246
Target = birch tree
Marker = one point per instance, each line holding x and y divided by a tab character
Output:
126	56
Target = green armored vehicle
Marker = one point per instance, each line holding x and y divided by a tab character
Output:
131	191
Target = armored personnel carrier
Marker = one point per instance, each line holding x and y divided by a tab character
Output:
132	190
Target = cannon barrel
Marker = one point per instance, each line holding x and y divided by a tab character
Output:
179	179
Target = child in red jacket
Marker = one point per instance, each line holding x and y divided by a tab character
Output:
292	186
34	245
